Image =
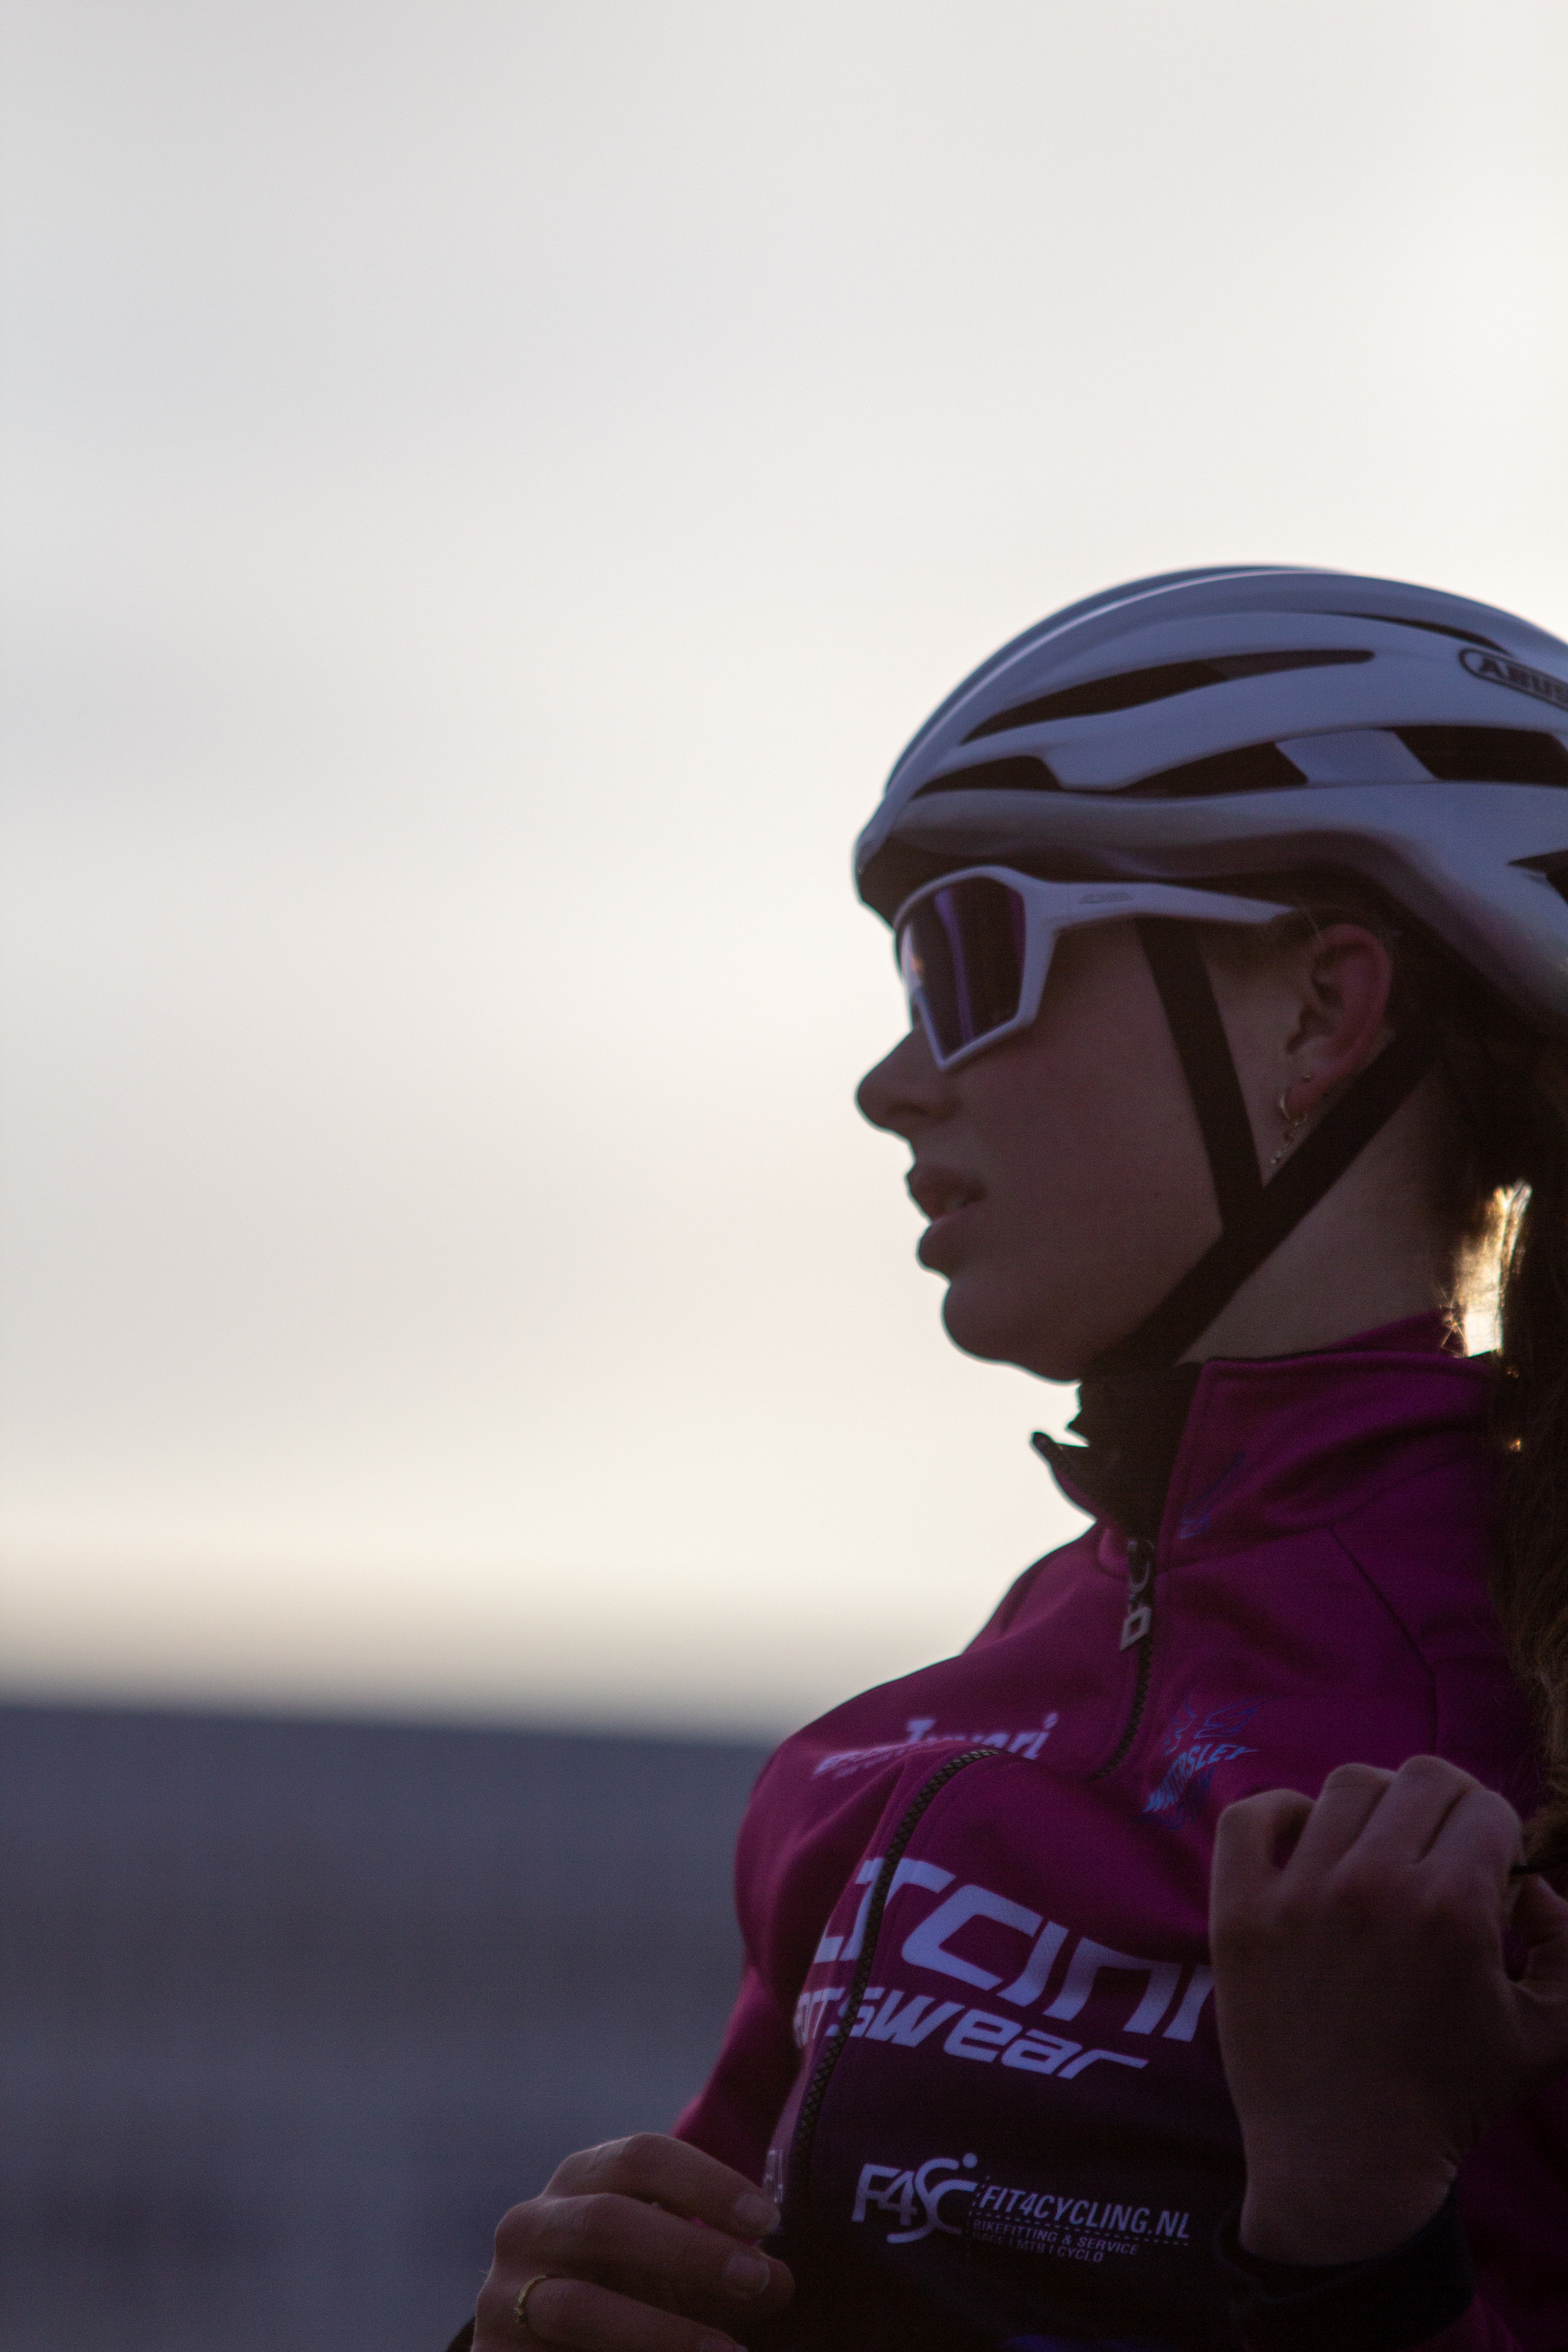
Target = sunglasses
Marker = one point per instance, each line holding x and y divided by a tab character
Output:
974	948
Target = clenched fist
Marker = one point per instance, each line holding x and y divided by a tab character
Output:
1370	2025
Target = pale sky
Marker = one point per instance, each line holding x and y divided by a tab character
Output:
491	487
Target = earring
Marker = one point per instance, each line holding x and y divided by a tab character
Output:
1294	1123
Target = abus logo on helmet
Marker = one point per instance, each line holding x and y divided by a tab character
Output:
1498	670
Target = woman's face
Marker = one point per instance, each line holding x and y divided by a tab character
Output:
1063	1172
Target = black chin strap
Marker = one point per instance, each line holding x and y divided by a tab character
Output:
1254	1216
1187	994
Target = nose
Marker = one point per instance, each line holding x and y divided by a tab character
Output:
905	1090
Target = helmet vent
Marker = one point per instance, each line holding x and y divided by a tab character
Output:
1552	867
1131	687
1251	768
1020	775
1437	628
1487	755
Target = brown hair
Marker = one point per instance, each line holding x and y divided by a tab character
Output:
1504	1199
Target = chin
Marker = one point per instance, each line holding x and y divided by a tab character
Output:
992	1328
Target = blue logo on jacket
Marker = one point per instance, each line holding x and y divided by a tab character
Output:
1197	1750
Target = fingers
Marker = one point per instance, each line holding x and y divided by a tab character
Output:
1430	1827
1351	1796
1540	1922
1428	1809
575	2311
1252	1839
1251	1831
1540	1914
668	2172
597	2232
626	2237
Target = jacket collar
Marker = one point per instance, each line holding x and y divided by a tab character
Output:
1238	1449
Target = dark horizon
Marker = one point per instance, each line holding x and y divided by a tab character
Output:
294	2008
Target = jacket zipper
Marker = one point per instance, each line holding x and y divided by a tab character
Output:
838	2035
1137	1632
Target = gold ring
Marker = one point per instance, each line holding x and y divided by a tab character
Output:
519	2308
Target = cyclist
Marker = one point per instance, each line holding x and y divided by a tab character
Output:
1168	1969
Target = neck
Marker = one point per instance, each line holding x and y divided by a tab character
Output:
1371	1252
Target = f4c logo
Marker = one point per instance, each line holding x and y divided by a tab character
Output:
914	2197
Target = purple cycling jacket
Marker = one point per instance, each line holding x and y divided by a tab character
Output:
974	2054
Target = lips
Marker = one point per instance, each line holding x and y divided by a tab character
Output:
942	1191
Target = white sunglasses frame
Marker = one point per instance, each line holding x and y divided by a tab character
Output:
1050	909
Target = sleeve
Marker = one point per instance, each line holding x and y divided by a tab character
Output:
734	2115
1420	2297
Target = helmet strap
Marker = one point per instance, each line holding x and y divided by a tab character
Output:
1255	1217
1187	991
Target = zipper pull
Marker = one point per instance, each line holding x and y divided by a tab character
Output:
1139	1621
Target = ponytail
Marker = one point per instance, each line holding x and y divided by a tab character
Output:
1506	1182
1506	1202
1530	1574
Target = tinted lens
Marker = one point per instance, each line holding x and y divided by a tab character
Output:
963	948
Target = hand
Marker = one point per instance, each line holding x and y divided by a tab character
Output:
1370	2028
638	2243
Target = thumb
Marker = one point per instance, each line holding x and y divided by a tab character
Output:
1539	1924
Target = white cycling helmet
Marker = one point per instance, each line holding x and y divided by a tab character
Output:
1206	727
1216	724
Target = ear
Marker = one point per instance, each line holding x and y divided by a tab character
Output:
1342	978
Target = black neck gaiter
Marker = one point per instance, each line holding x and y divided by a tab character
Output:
1132	1424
